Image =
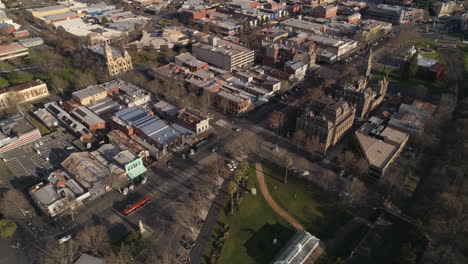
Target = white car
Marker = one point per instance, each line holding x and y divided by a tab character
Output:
64	239
341	173
38	151
41	143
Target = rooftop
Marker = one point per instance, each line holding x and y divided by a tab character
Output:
87	116
88	172
89	91
6	49
298	249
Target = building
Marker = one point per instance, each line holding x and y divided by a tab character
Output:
394	14
233	102
127	93
411	118
89	95
443	9
193	120
298	249
60	194
363	94
299	25
223	54
12	50
68	121
116	62
166	110
15	132
88	118
31	42
133	165
326	119
379	145
168	37
92	34
327	11
123	142
46	118
41	12
339	47
165	137
23	93
88	172
88	259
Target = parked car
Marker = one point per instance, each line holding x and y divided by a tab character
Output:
169	164
237	129
213	149
64	239
192	151
341	173
184	156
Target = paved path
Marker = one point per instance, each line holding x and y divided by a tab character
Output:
271	202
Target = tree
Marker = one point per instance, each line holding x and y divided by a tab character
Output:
123	256
84	79
407	254
4	83
299	138
232	188
65	253
93	239
104	20
313	144
12	203
355	190
276	119
58	84
244	167
242	145
346	159
238	175
413	65
7	228
287	162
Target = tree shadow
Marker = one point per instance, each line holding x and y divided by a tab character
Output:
261	246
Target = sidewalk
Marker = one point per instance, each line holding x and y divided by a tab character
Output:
271	202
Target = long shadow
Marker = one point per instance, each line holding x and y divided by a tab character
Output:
262	247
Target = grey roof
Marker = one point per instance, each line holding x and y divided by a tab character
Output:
124	157
87	259
61	15
99	49
89	91
87	116
298	249
131	115
108	151
47	8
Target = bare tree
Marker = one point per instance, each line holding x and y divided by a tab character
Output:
123	256
65	253
242	145
355	191
346	159
94	239
276	119
12	203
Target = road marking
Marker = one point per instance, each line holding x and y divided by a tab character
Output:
16	166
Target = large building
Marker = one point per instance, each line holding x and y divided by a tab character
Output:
59	194
338	47
411	118
327	119
22	93
194	120
379	145
394	14
12	50
223	54
116	61
443	9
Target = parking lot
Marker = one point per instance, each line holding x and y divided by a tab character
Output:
40	157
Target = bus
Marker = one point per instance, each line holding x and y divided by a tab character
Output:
134	207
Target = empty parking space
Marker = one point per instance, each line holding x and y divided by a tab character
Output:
17	168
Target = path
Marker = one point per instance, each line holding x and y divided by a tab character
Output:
271	202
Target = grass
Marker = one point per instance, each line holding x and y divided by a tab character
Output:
252	230
423	43
464	49
394	76
142	58
316	212
43	129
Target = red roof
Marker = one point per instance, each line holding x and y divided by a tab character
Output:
6	49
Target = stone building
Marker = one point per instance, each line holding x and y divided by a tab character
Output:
328	119
22	93
116	61
362	92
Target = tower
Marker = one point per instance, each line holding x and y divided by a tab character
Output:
367	67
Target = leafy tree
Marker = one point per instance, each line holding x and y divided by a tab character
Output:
15	77
4	83
413	65
287	162
104	20
123	256
407	255
7	228
232	188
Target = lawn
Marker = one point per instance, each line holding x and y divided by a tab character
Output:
319	215
394	76
464	49
43	129
252	230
